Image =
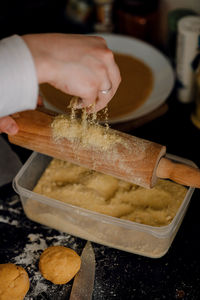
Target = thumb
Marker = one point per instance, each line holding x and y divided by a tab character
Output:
8	125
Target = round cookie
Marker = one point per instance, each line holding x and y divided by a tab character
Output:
59	264
14	282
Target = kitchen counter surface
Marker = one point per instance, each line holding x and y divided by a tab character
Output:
119	275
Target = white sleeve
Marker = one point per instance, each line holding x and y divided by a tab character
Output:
18	78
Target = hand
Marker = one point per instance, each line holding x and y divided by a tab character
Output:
78	65
8	124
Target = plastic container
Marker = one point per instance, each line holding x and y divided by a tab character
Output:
121	234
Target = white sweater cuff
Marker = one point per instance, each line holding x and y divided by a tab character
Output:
18	78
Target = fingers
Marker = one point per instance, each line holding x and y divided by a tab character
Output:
77	80
88	81
115	78
108	79
101	86
78	65
8	125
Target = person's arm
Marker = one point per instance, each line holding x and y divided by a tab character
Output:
79	65
18	80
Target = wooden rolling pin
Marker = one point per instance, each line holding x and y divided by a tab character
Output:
135	160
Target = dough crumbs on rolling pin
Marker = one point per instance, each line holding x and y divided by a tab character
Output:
89	135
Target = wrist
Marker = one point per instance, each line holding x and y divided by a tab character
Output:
42	61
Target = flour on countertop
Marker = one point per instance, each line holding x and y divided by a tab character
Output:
22	242
30	258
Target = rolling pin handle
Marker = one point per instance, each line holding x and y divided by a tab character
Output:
180	173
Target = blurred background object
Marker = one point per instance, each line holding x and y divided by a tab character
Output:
144	19
80	13
31	16
173	17
137	18
104	16
195	116
166	6
188	45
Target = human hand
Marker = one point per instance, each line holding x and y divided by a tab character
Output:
8	124
78	65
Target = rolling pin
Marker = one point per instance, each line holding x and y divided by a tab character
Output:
134	159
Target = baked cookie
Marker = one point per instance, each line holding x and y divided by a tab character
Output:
14	282
59	264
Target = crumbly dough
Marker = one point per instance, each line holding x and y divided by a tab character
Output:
14	282
105	194
59	264
88	135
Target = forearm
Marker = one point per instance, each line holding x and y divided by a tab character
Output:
78	65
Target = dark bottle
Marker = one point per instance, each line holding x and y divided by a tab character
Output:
137	18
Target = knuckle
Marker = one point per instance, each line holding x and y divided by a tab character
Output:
108	54
102	69
119	79
100	40
105	54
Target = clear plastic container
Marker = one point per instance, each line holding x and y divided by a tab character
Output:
117	233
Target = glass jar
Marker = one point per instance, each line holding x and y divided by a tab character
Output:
104	16
137	18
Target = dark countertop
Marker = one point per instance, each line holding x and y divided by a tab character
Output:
119	275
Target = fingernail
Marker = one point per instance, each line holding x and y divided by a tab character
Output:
11	129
